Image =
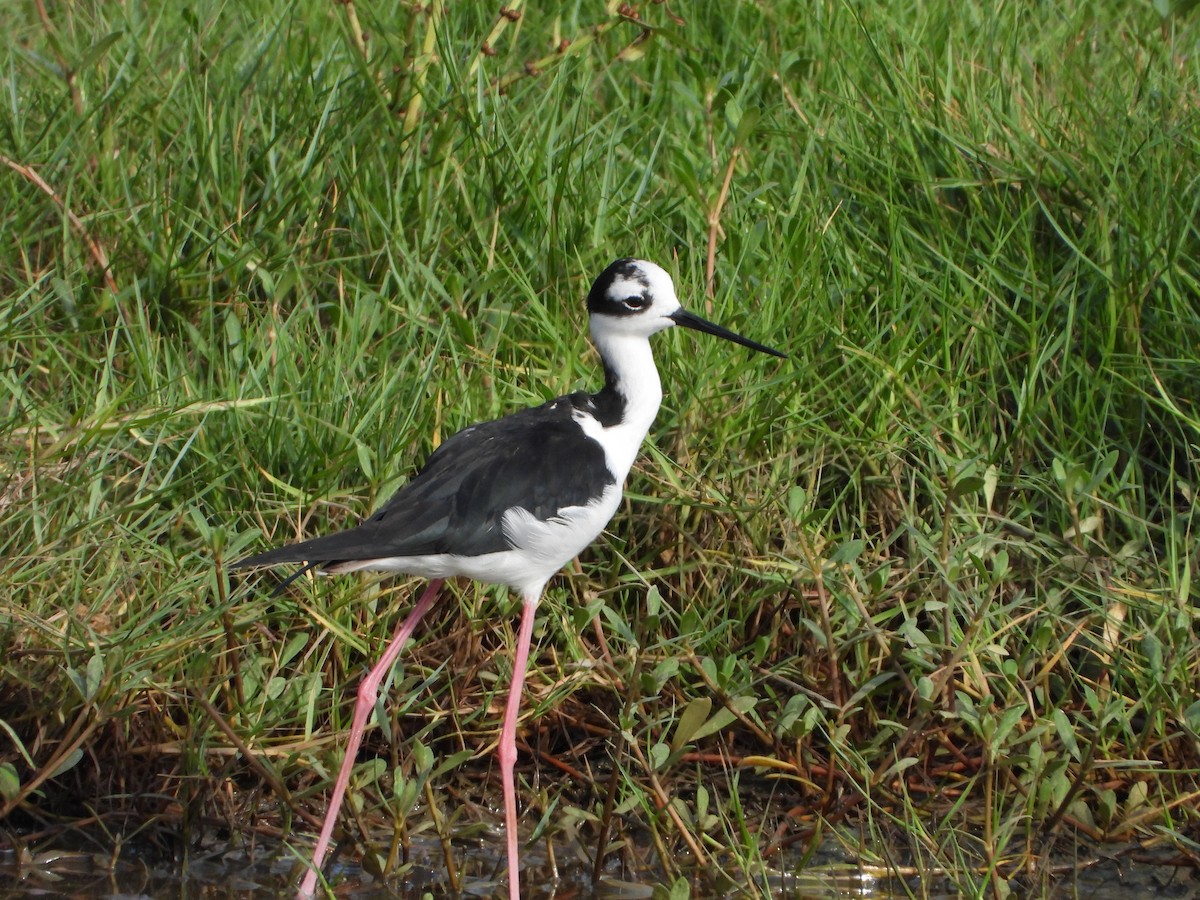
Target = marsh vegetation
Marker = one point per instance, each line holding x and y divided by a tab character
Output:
926	589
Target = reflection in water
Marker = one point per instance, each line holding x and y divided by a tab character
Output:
271	871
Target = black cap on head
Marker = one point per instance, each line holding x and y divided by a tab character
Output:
600	298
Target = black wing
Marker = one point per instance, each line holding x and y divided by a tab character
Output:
536	459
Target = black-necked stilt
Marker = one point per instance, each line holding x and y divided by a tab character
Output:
512	501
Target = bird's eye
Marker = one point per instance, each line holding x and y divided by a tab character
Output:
637	301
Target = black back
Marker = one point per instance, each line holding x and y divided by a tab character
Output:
537	459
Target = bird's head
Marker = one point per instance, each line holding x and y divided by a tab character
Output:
637	298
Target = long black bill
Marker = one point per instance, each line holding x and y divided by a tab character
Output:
688	320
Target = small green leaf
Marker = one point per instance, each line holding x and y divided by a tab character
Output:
451	762
294	645
10	784
796	502
1102	471
848	551
1136	799
991	477
899	766
404	792
371	771
264	276
71	760
1066	733
233	337
95	676
275	687
1059	470
664	672
733	115
1191	715
653	601
422	757
925	688
1079	809
868	687
1152	651
690	721
659	754
966	485
364	460
1000	565
724	716
97	50
7	729
1008	721
746	126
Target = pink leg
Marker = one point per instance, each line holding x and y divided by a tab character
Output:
368	693
508	744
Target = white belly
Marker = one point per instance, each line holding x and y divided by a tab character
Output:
540	548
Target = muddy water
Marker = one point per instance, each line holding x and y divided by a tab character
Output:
270	871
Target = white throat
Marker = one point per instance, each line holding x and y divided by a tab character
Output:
632	374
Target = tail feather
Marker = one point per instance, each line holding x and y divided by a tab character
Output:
353	543
362	542
283	585
293	553
373	539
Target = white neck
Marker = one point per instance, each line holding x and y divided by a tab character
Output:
631	373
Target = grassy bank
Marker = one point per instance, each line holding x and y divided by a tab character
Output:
927	585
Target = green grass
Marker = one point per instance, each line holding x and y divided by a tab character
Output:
925	587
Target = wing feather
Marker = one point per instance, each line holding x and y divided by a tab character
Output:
536	459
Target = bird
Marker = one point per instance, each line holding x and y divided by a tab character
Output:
510	502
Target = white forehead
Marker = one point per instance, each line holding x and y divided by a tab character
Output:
647	277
